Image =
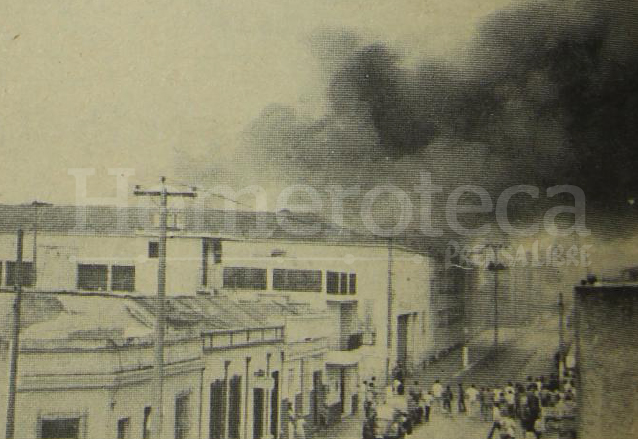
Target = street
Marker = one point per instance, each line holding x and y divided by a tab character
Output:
523	352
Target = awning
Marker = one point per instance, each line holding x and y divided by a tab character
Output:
342	358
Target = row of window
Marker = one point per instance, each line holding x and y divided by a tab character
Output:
73	426
341	283
94	277
289	280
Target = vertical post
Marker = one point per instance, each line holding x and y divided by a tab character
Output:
561	338
466	349
390	311
495	308
246	398
160	318
267	395
226	397
15	340
35	248
160	302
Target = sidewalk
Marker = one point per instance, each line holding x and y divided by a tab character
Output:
349	428
450	366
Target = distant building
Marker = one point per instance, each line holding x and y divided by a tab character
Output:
606	318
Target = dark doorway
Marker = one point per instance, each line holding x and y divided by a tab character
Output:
317	397
342	390
217	408
274	405
258	413
234	407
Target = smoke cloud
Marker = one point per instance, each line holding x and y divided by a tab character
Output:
545	94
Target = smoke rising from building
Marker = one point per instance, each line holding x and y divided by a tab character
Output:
545	94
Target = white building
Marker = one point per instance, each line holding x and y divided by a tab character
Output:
86	367
387	303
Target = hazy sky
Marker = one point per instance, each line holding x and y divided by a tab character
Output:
127	83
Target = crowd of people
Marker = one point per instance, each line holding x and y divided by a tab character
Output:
529	409
537	406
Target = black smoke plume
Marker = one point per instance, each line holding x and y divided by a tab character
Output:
545	94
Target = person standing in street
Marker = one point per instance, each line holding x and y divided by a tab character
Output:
461	401
428	400
496	421
437	392
447	400
530	413
472	400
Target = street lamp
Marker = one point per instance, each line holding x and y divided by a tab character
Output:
495	267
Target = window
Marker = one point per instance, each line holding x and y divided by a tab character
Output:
182	422
60	428
146	425
27	274
217	251
92	277
245	278
123	426
341	283
123	278
153	249
332	282
352	289
297	280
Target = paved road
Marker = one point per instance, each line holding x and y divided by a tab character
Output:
522	353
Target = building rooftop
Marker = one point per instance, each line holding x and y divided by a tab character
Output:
129	221
71	318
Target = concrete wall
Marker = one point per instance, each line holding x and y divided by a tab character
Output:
411	279
90	385
58	256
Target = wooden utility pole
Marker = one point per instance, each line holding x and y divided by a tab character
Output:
15	340
561	338
160	308
496	307
390	312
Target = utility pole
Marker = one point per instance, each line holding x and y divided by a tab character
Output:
160	302
561	338
495	308
15	340
390	311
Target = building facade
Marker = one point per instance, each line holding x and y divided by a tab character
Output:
606	352
353	307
